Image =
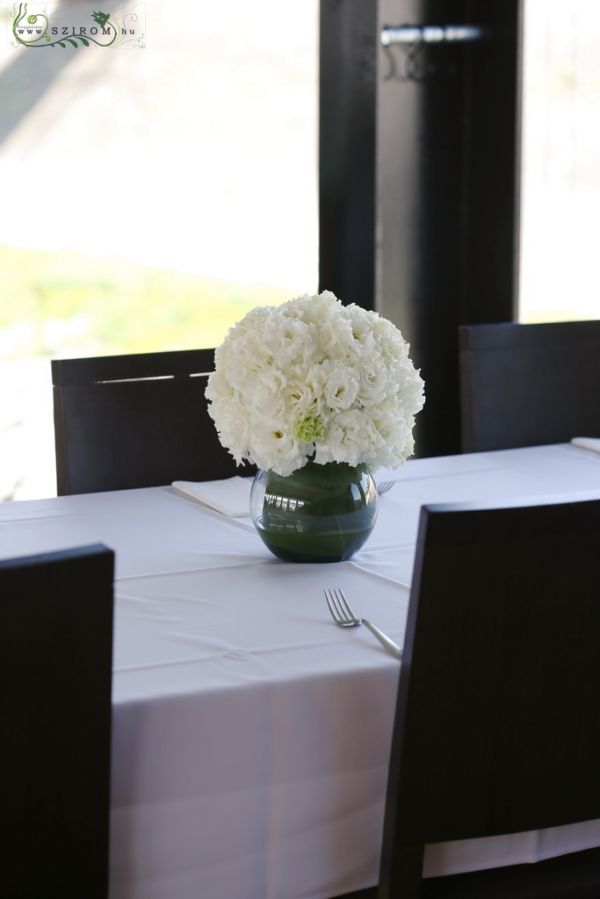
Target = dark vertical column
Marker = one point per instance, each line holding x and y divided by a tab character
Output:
447	177
419	169
491	183
348	54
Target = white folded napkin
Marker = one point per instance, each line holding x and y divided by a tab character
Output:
587	443
230	496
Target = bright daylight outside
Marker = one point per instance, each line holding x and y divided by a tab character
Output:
150	197
560	211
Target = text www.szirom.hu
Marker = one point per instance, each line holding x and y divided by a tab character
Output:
82	30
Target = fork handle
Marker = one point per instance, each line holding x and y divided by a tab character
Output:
388	644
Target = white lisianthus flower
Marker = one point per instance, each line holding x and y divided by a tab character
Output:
302	397
340	384
375	383
351	438
315	380
274	449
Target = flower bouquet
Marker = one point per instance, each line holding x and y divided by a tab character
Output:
314	386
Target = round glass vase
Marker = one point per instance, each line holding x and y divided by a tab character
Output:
319	513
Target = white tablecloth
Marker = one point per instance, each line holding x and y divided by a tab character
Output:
251	736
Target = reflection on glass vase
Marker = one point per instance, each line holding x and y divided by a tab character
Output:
319	513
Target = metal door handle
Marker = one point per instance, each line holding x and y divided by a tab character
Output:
430	34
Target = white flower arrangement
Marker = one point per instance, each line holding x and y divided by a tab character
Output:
313	380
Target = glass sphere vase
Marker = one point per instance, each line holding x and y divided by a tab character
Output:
319	513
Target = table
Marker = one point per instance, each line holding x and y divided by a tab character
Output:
251	736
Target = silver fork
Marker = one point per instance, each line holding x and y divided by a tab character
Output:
343	616
384	486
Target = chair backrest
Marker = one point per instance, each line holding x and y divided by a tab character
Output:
523	385
497	725
135	421
56	627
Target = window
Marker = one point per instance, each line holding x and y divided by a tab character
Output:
155	195
560	274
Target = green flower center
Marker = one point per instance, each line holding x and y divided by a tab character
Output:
309	429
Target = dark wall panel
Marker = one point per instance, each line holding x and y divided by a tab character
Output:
347	106
419	179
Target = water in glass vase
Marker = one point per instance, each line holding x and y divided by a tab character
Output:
319	513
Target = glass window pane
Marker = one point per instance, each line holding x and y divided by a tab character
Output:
155	194
560	273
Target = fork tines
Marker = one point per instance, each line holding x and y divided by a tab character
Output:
338	605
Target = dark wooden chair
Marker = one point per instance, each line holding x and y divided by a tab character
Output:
135	421
523	385
56	627
497	726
